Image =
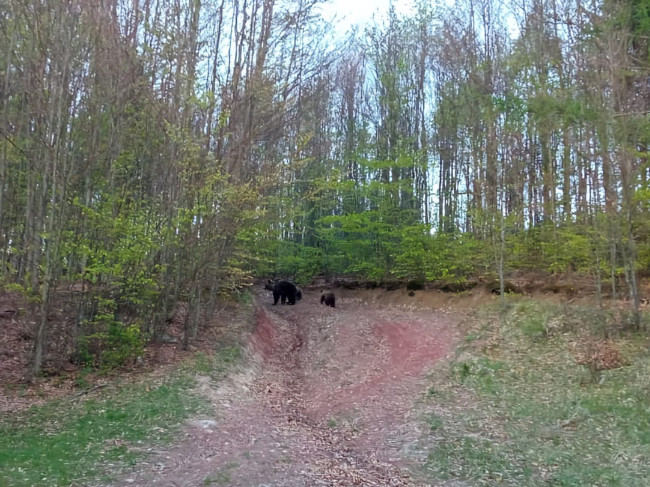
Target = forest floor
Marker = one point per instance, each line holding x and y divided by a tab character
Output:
387	389
328	400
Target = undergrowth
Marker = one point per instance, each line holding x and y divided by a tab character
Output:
77	442
516	408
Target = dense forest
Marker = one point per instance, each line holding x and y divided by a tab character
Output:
156	151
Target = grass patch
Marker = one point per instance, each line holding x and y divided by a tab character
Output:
62	443
470	337
435	422
473	458
218	364
66	442
222	476
480	372
531	420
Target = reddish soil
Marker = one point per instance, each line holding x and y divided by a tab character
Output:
325	399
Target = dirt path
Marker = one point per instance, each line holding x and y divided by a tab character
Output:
327	402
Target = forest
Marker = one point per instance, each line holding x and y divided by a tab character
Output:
153	152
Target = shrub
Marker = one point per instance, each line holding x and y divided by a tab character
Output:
110	343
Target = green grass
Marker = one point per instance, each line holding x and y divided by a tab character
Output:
222	476
470	337
79	441
473	458
217	365
532	421
435	422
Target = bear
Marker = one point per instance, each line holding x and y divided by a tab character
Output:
285	291
328	299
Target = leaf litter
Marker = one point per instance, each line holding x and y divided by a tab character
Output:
324	398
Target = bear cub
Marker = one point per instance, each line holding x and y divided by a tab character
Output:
328	299
285	291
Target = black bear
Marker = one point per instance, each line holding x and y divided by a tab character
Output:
329	299
284	290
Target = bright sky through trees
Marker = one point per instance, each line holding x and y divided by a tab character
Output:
346	13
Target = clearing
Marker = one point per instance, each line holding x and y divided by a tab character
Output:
328	401
435	389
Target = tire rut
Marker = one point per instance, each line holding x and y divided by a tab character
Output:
342	464
325	399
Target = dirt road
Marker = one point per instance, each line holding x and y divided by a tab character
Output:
326	399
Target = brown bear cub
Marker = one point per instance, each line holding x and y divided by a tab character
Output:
328	299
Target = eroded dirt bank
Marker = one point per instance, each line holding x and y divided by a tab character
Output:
326	398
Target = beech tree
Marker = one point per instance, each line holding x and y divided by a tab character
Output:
154	154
